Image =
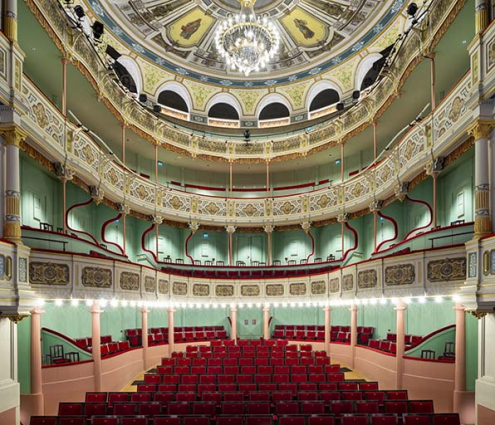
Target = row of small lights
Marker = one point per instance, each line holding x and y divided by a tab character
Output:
338	303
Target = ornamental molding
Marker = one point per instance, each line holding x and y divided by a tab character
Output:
194	226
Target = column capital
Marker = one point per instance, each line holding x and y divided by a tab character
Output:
265	308
233	309
459	307
480	129
171	310
401	191
400	306
269	228
145	310
13	135
37	310
343	218
124	209
156	219
194	226
376	206
230	229
95	308
306	226
327	308
353	307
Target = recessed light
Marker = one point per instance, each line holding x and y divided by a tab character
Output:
160	163
337	162
464	41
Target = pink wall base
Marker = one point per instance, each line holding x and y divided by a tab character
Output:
466	402
31	405
485	416
8	417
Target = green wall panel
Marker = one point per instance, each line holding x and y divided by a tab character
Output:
471	352
23	355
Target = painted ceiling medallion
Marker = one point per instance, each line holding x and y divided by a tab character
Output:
179	35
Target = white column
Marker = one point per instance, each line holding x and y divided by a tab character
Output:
36	363
144	333
328	312
401	342
460	357
266	324
96	345
269	231
171	341
233	318
353	311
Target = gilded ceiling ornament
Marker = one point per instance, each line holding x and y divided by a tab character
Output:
306	226
269	228
401	191
480	130
230	229
343	218
194	226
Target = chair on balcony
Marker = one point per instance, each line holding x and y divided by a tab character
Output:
331	257
46	226
208	263
220	263
179	261
428	354
291	262
197	262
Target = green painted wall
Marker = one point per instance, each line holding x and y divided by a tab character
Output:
24	356
471	352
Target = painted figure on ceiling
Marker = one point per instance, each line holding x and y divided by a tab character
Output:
302	26
190	28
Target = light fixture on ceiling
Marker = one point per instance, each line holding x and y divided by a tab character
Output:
247	42
98	30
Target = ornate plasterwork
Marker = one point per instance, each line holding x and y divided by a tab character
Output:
447	270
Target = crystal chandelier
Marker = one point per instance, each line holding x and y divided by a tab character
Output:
247	42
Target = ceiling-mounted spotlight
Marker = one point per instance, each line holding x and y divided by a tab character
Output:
247	135
356	94
79	11
110	51
143	98
98	29
340	106
157	109
412	9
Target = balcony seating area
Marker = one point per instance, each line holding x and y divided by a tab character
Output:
317	333
249	383
108	347
389	344
158	336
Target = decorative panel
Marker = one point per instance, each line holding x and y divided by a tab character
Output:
96	277
201	290
250	290
274	290
149	284
224	290
179	288
448	269
297	289
318	288
401	274
334	285
163	286
367	279
348	282
48	273
129	281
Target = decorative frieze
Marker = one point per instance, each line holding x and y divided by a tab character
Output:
400	274
96	277
447	270
48	273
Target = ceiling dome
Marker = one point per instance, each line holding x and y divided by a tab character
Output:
179	35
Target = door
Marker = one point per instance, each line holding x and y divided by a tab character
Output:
250	323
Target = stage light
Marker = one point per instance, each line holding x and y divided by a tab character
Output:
412	9
340	106
157	109
143	98
356	94
79	11
98	29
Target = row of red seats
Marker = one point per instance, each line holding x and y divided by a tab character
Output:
138	331
275	360
249	370
249	342
383	345
233	361
238	354
114	347
210	408
354	419
333	328
249	348
88	342
409	339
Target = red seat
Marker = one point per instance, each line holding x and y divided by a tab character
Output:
341	407
446	419
96	397
308	386
368	386
397	407
136	420
152	378
415	419
287	408
227	388
232	408
328	396
421	406
328	386
233	396
288	387
104	420
375	396
291	420
307	396
260	396
281	378
258	420
195	420
367	407
95	409
352	395
189	379
267	387
281	396
198	370
191	396
313	407
382	419
70	409
166	420
44	420
212	396
354	420
348	386
256	408
208	379
206	408
117	397
124	408
226	379
164	397
178	408
397	395
150	409
72	420
230	420
321	420
186	388
140	397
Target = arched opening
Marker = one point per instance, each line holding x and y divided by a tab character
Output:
172	100
324	98
274	111
125	77
223	111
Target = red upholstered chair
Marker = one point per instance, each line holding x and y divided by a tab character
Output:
367	407
147	388
190	396
199	370
105	420
213	361
368	386
186	388
324	361
417	419
230	420
200	361
321	420
329	396
233	396
150	409
397	395
379	396
44	420
307	396
140	397
292	361
260	396
397	407
233	408
227	388
354	420
164	397
166	420
117	397
262	360
95	409
299	377
247	388
313	408
124	408
292	387
382	419
72	420
196	420
150	378
226	379
258	420
287	408
446	419
352	395
421	406
168	361
258	408
136	420
339	408
267	387
281	378
348	386
334	368
291	420
315	369
184	361
179	408
205	408
218	370
96	397
308	386
328	386
70	409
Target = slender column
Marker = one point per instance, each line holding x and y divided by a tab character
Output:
342	162
460	357
328	311
353	311
435	203
482	220
96	345
267	178
64	61
266	320
10	20
401	342
342	219
482	15
269	230
231	180
233	318
171	341
124	209
36	376
123	127
375	141
144	336
12	137
65	174
230	232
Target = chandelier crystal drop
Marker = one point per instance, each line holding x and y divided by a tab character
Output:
247	42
